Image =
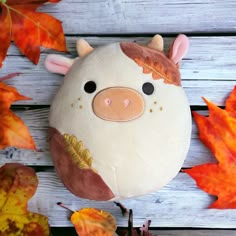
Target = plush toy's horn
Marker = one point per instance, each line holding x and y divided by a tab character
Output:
83	47
156	43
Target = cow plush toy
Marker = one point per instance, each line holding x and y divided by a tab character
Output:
120	123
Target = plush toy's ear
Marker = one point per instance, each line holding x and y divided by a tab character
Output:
58	64
156	43
83	47
179	48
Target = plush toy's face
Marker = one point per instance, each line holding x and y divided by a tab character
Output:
120	125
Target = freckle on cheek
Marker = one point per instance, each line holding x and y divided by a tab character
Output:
161	108
155	102
72	104
151	110
80	107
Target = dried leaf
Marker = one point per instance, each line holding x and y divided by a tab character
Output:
92	221
145	229
18	184
13	131
28	29
131	231
218	133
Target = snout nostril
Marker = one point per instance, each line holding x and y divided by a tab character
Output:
108	101
126	102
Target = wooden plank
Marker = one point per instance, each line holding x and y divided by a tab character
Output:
208	70
179	204
206	55
136	16
37	121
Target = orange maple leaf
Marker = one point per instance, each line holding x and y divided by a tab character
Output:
92	221
218	133
13	131
28	29
18	184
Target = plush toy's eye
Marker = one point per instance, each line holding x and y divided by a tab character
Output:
90	87
148	88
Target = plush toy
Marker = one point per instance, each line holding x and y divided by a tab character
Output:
120	123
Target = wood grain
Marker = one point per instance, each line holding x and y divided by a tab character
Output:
144	17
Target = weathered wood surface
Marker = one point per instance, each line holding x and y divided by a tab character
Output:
179	204
209	70
145	16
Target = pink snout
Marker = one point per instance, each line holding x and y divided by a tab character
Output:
118	104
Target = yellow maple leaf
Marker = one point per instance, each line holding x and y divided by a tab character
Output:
18	184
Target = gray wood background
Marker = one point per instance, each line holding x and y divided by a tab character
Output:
208	70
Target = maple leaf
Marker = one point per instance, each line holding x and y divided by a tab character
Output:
28	29
18	184
13	131
218	133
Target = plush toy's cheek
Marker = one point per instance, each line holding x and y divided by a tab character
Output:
118	104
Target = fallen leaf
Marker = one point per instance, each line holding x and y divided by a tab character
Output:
218	133
92	221
13	131
18	184
28	29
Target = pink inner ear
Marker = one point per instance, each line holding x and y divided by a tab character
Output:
179	48
58	64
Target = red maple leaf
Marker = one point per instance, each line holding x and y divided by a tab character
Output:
28	29
218	133
13	131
